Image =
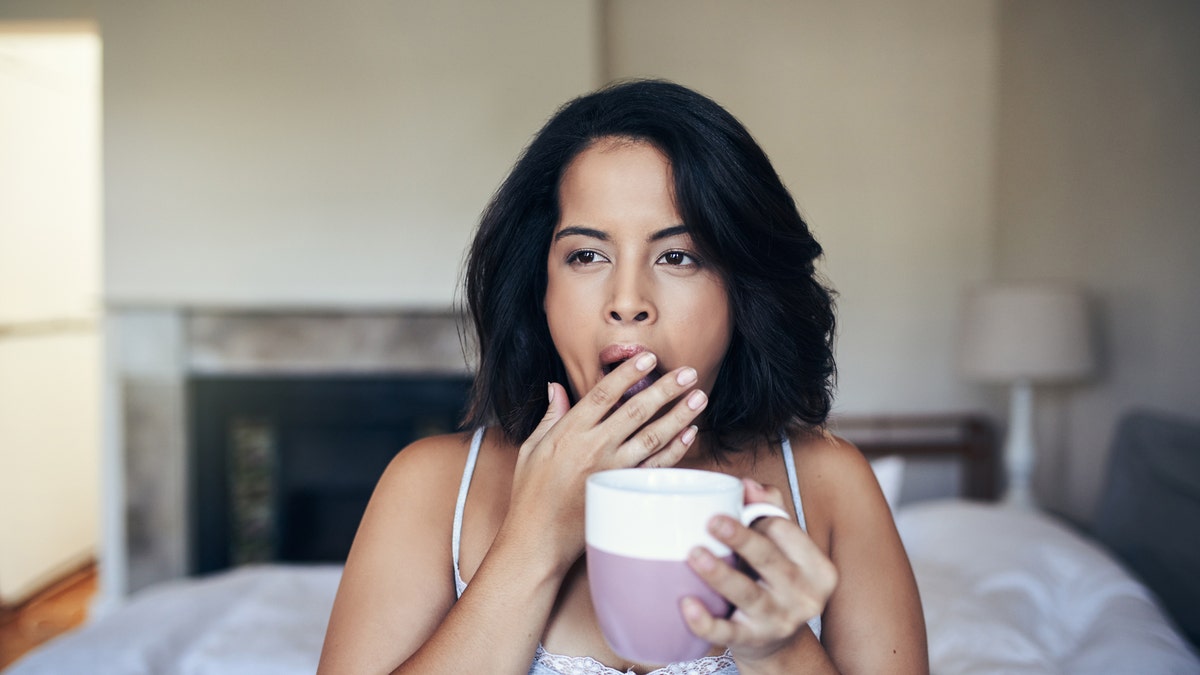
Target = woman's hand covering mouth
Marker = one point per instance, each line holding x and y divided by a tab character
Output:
613	356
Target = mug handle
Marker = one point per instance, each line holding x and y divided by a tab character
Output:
752	512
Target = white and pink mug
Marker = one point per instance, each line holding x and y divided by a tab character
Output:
640	525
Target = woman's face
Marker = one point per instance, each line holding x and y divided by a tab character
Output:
623	275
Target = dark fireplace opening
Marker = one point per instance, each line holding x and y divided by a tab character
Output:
282	467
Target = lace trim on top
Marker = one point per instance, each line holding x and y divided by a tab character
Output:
586	665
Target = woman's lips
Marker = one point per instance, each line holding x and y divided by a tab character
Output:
614	355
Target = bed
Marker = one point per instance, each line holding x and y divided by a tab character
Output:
1004	590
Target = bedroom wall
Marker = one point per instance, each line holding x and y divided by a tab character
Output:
327	154
879	116
317	157
1099	148
279	154
336	154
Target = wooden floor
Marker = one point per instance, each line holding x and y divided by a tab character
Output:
49	614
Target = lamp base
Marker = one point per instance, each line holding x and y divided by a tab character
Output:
1019	449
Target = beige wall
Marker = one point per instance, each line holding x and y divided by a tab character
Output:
331	154
341	157
879	117
1099	148
261	155
1099	139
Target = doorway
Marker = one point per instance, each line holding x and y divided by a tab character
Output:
50	304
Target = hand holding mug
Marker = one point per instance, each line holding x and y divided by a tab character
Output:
795	580
641	526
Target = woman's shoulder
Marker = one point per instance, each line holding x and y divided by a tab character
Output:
436	464
834	474
823	450
431	463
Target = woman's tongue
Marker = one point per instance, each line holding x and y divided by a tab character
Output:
640	385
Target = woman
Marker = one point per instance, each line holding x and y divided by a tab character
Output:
643	293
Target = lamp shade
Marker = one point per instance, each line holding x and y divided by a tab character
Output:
1030	332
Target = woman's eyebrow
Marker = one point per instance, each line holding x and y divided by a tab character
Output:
669	232
665	233
581	231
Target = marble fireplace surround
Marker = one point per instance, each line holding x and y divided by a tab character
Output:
151	353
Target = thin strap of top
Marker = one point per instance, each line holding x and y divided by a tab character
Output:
793	481
460	506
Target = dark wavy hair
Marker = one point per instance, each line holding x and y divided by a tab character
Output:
779	370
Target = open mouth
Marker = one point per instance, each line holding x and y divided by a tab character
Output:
639	386
609	367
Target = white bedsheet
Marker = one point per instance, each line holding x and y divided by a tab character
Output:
258	620
1013	591
1004	591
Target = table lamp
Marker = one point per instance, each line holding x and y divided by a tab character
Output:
1023	334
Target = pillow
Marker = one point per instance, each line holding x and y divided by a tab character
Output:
1149	508
889	471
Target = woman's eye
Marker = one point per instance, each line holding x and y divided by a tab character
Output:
584	257
678	258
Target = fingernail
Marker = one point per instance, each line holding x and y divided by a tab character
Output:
691	609
701	559
689	435
686	376
645	361
697	400
721	526
549	393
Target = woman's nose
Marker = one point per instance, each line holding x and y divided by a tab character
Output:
637	318
631	300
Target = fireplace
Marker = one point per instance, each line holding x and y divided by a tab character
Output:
282	467
250	435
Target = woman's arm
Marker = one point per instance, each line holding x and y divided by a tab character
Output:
397	590
873	620
395	609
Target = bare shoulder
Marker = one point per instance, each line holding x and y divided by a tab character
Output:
429	461
412	509
831	464
836	480
416	491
